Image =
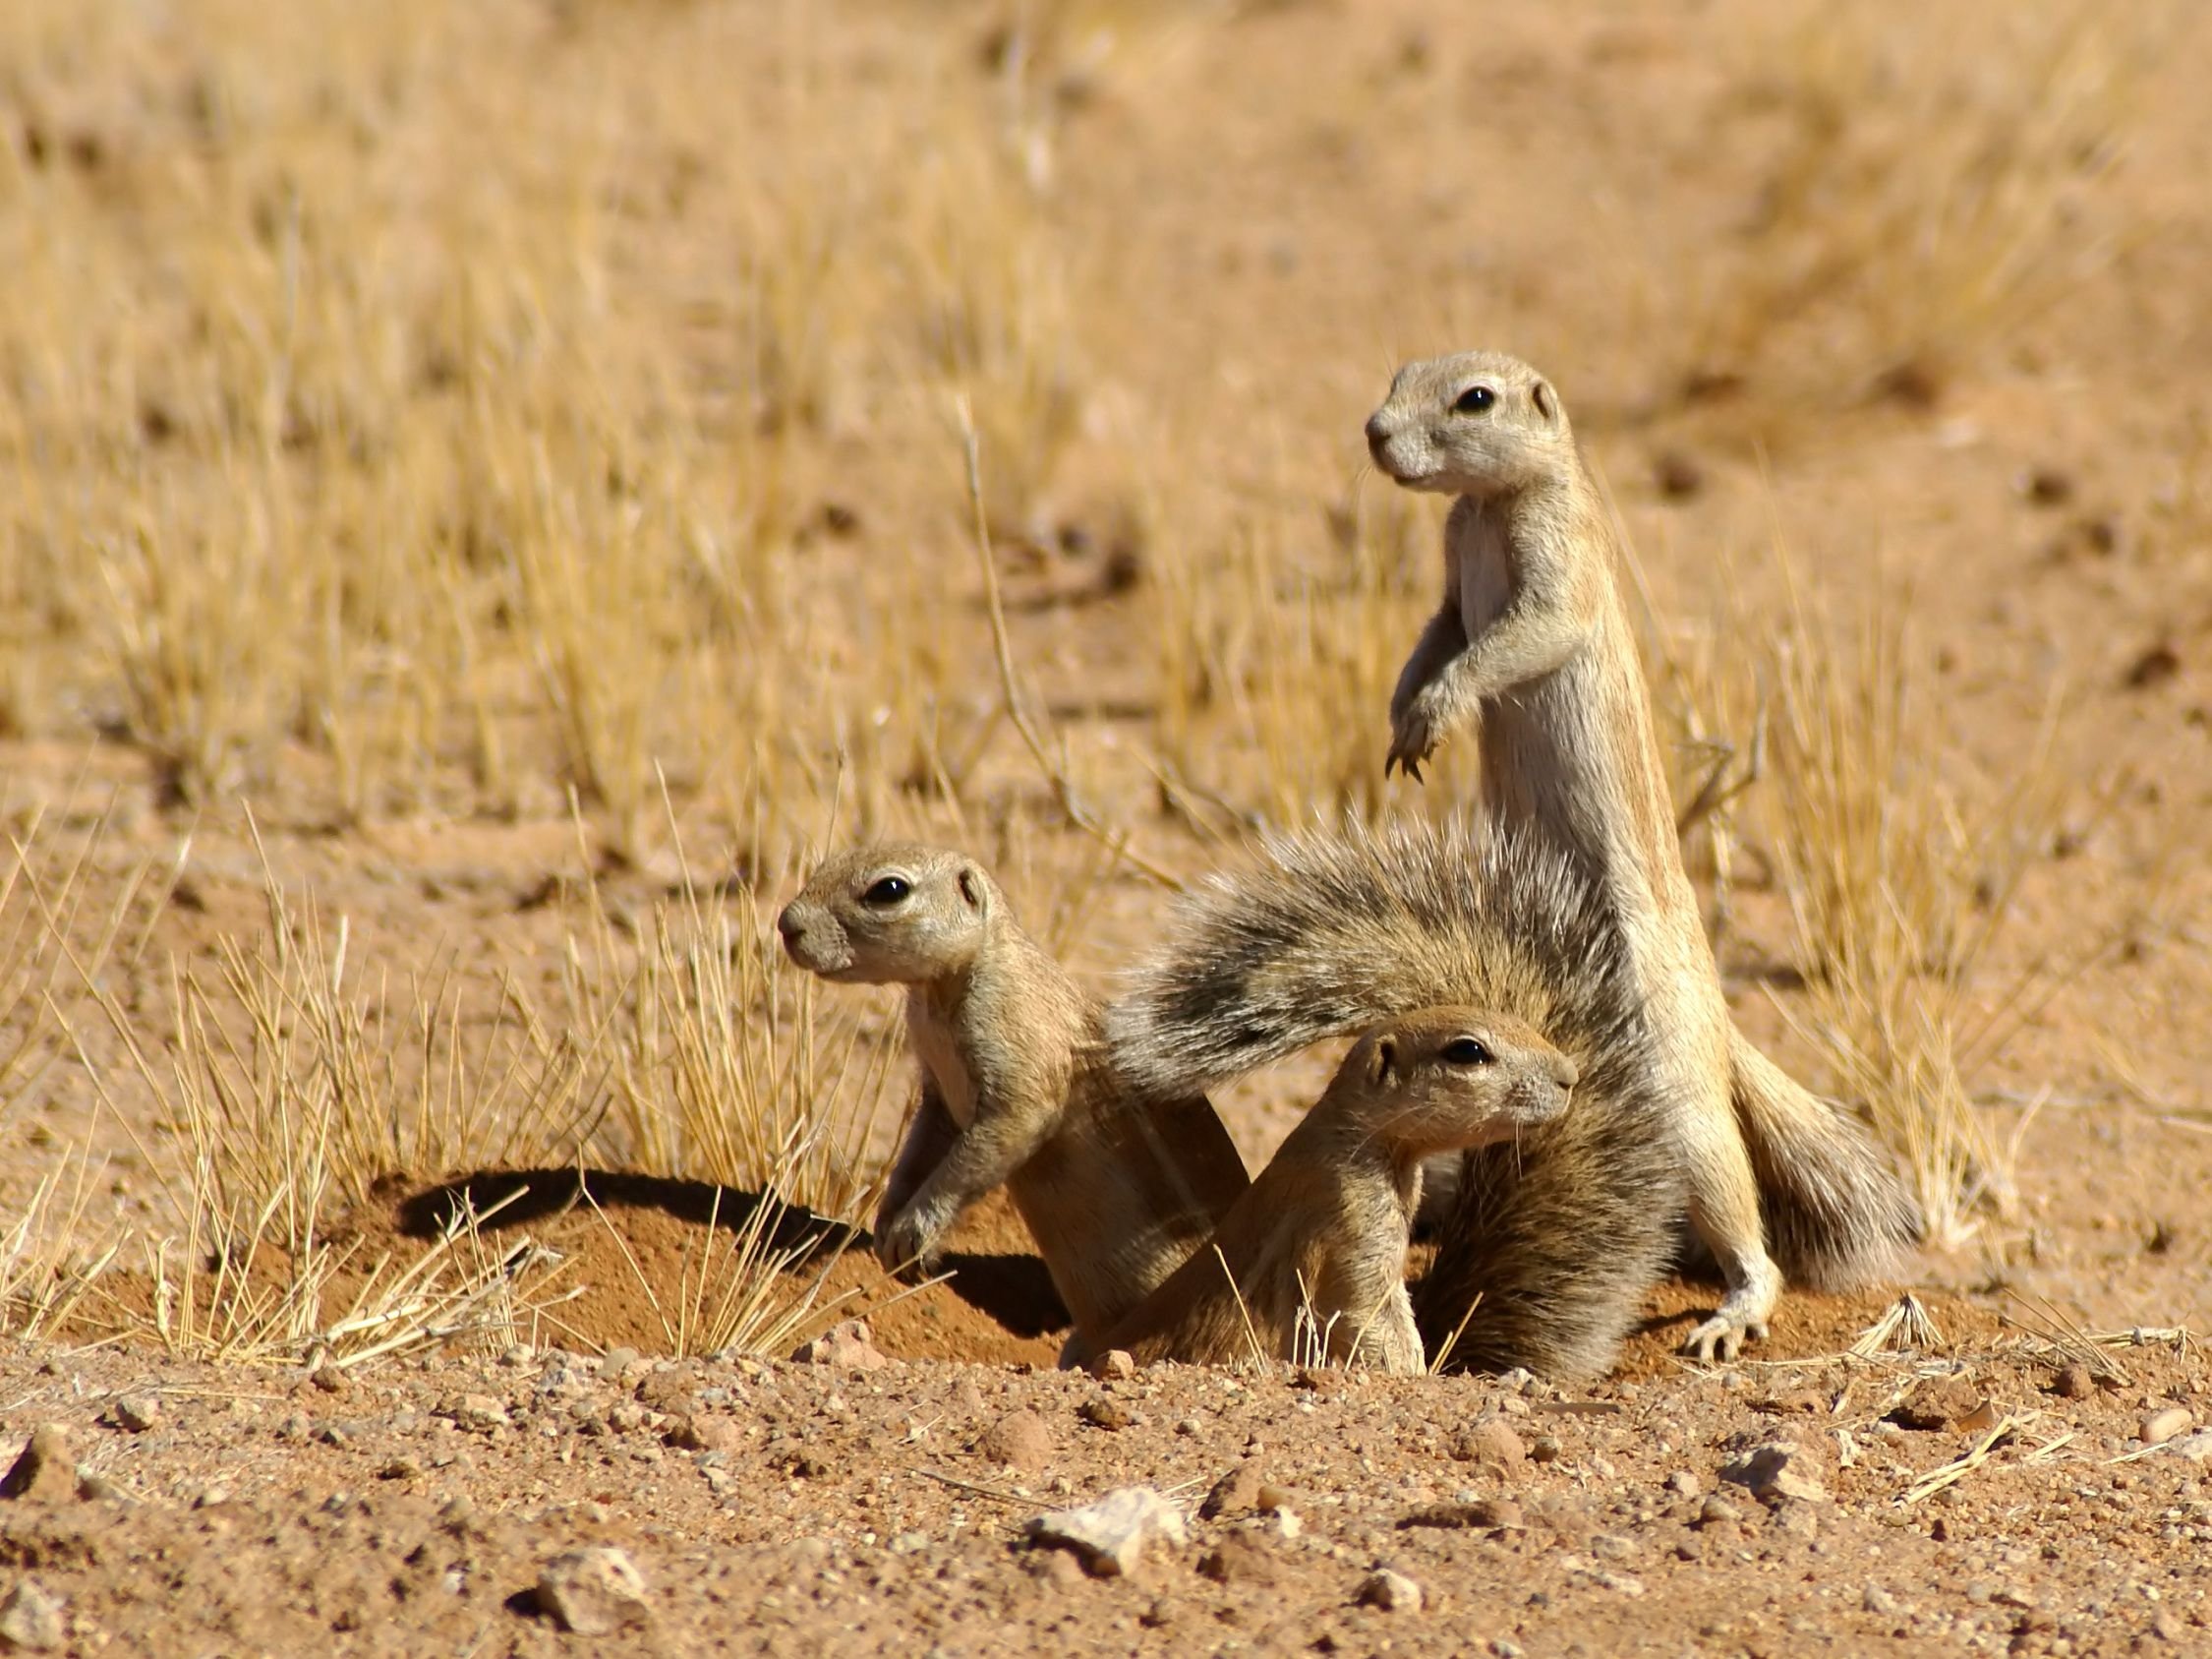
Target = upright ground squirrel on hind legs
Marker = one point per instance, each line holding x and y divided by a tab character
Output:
1533	638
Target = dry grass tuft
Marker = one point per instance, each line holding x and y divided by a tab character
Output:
1921	205
1900	870
293	1084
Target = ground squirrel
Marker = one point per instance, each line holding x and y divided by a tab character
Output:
1553	1240
1320	1236
1534	637
1017	1086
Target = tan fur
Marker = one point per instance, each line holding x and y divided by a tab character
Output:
1017	1087
1534	638
1322	1231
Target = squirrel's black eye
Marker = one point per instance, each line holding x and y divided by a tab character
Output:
888	891
1466	1051
1475	399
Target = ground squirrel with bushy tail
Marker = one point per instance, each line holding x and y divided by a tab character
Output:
1533	638
1552	1240
1311	1262
1017	1086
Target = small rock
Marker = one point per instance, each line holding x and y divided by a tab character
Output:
1113	1365
706	1431
135	1412
329	1378
43	1468
1937	1403
1717	1510
1878	1601
2073	1382
1777	1470
1683	1484
1234	1494
480	1412
401	1468
1491	1444
615	1361
1544	1449
1620	1584
847	1345
2196	1447
592	1592
1391	1592
1103	1412
2162	1426
1614	1546
1236	1560
1020	1440
2046	486
1111	1534
32	1618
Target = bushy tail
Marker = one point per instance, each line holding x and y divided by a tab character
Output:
1553	1239
1835	1214
1329	931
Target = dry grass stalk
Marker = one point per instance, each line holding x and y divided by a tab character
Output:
1906	1326
1957	1470
2062	1337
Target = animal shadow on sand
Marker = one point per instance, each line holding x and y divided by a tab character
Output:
1014	1289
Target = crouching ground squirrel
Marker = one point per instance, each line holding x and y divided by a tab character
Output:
1312	1260
1017	1086
1534	637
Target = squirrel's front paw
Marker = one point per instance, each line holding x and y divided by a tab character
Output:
1413	739
909	1244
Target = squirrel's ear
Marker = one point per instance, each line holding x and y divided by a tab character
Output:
1546	404
973	889
1384	1061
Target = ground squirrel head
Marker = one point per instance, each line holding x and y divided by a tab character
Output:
1475	424
1448	1077
891	915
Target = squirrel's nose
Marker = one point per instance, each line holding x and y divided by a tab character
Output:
1564	1074
1378	432
789	923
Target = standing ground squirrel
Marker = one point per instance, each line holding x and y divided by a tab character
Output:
1320	1236
1534	637
1547	1249
1017	1086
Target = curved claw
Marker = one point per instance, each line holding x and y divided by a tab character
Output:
1405	762
1720	1339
